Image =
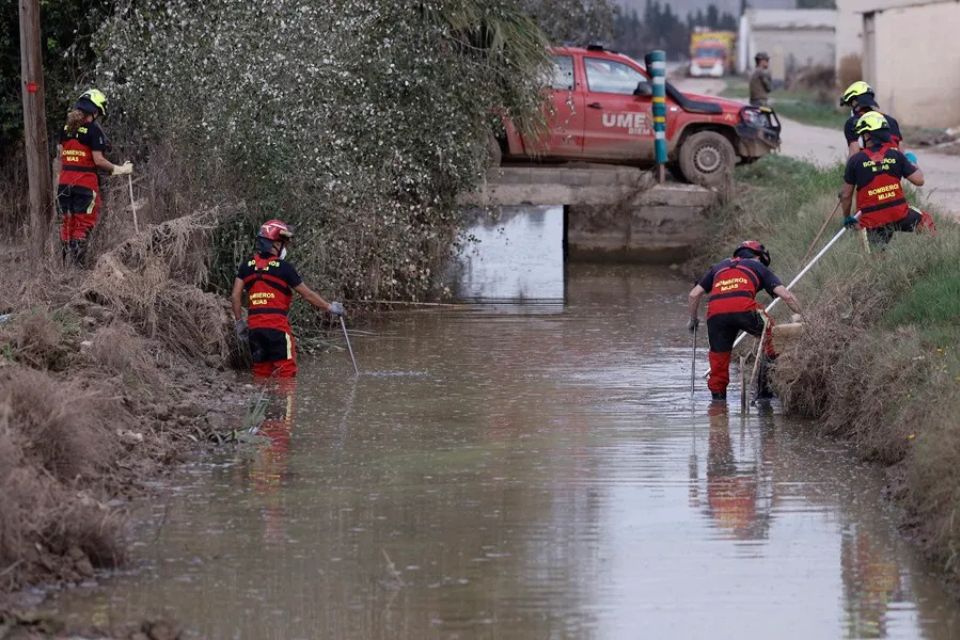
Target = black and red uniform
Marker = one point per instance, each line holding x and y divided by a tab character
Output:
78	189
850	129
877	173
733	285
269	283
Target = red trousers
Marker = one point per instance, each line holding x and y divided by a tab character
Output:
722	329
79	208
274	353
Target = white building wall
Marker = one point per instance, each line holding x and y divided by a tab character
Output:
850	22
915	63
797	49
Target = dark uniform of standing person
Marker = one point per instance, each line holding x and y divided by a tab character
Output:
876	172
733	285
80	154
269	281
761	84
859	96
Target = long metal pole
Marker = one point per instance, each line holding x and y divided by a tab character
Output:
133	205
693	364
802	273
823	228
346	337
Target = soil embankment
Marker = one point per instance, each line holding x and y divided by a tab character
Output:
878	362
108	375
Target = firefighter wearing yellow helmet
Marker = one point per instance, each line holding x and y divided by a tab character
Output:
860	97
80	153
876	173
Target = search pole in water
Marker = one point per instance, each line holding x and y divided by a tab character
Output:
802	273
657	68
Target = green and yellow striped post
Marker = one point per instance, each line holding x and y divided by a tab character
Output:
657	68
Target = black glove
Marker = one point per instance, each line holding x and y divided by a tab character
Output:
693	324
850	222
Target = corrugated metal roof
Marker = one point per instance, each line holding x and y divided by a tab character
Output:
791	18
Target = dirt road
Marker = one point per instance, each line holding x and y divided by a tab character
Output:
825	147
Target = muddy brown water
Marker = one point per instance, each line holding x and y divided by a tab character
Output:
525	471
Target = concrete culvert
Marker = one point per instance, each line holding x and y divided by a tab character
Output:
707	158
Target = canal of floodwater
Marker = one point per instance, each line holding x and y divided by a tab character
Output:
524	471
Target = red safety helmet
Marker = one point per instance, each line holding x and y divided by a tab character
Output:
756	249
275	230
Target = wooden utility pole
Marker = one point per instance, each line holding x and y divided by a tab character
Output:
35	124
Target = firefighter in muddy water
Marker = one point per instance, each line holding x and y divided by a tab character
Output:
80	156
760	82
733	285
876	173
269	281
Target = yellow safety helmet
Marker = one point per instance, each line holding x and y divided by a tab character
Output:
855	90
870	122
92	98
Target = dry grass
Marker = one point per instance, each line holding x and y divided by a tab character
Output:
152	281
41	339
55	439
849	70
98	390
116	349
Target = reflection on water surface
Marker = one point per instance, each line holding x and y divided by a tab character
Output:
543	475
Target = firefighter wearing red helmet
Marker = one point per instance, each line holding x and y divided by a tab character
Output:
733	285
269	281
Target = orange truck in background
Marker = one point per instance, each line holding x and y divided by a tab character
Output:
711	53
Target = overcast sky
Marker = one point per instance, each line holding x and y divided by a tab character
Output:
682	7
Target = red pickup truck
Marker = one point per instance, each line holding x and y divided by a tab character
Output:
601	111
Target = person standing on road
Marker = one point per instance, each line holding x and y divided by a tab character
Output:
761	84
269	282
80	155
859	96
733	285
876	172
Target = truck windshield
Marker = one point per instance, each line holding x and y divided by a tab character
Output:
607	76
711	53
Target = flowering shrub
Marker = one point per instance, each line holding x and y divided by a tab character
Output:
359	121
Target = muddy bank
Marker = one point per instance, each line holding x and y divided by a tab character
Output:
878	363
108	376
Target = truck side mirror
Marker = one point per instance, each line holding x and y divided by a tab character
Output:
643	89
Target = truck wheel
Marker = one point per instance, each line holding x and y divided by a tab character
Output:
707	158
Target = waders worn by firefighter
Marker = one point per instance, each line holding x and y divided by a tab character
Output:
733	285
875	173
859	96
80	153
269	282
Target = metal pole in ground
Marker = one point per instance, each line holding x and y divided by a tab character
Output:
657	68
743	385
133	205
693	364
346	337
756	361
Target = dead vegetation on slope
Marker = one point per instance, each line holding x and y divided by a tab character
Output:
106	374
